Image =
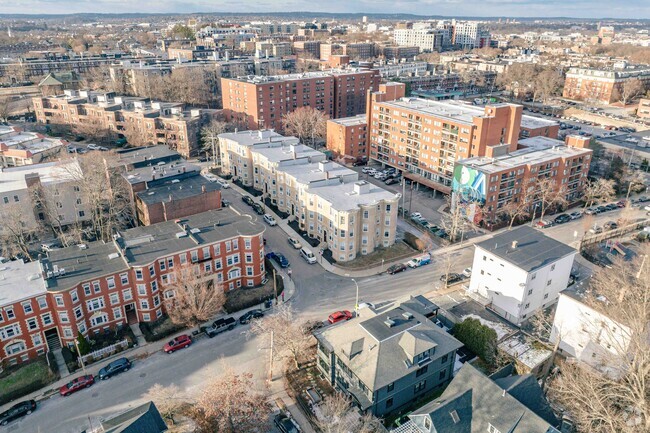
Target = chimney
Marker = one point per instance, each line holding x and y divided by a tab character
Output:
514	245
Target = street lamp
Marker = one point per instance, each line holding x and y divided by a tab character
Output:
356	303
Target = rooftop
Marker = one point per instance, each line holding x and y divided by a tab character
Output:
33	142
142	155
257	79
526	248
160	171
349	196
351	121
532	122
20	281
277	153
177	189
523	348
13	179
317	171
251	138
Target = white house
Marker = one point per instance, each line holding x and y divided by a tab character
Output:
588	335
520	271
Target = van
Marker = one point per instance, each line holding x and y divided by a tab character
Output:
421	260
308	255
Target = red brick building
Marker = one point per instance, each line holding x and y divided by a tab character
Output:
93	287
261	102
347	137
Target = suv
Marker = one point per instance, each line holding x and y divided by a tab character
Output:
17	411
258	208
220	325
250	315
270	220
248	200
451	278
115	367
285	424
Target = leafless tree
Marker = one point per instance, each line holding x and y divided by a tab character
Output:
291	341
192	296
629	90
547	195
548	83
598	191
98	78
92	131
515	210
456	222
5	108
306	123
15	234
599	402
168	399
210	138
230	404
136	135
337	415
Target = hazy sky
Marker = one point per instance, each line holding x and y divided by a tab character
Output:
506	8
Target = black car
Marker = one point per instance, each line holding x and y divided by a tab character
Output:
451	278
115	367
601	209
248	200
17	411
258	209
225	203
360	163
562	218
285	424
394	269
611	206
250	315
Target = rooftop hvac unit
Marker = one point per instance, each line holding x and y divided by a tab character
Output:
113	256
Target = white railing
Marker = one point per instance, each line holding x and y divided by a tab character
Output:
104	352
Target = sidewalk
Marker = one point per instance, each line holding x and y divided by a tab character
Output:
278	390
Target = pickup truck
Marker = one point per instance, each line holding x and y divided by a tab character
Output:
219	326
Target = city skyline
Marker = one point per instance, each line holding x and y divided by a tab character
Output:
635	9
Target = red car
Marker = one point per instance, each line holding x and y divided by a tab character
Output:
77	384
339	316
180	342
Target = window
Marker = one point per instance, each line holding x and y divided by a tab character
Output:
526	306
218	264
249	271
144	304
421	371
162	265
37	340
390	387
15	348
117	313
170	262
183	258
98	320
442	374
206	253
548	283
152	271
10	331
419	386
247	243
530	292
146	317
249	258
127	295
63	316
27	307
154	286
142	289
59	301
124	279
86	287
78	313
111	282
546	296
42	302
114	298
47	319
138	274
82	328
96	287
552	267
195	256
32	324
156	301
444	359
10	313
95	304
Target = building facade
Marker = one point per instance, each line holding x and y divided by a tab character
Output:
18	148
603	85
643	111
426	40
470	34
148	122
91	288
519	272
347	137
261	102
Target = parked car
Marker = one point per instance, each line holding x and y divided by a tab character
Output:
575	215
285	424
391	180
71	148
467	272
210	177
363	305
16	411
258	208
220	325
595	230
421	260
118	366
360	163
308	255
250	315
77	384
223	183
248	200
367	170
610	225
450	278
180	342
416	215
543	224
621	203
279	258
92	146
562	218
611	206
50	246
601	209
396	268
270	220
294	243
339	316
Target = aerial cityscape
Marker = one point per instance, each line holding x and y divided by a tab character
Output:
411	216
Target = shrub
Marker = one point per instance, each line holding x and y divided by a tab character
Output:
161	328
414	242
70	359
83	344
480	339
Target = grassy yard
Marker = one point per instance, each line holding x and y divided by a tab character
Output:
246	297
20	380
398	251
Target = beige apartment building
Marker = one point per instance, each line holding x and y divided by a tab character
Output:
328	200
151	122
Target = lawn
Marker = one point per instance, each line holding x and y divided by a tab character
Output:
398	251
20	380
246	297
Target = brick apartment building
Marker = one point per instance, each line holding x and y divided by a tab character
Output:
261	102
490	183
18	148
310	49
602	85
157	122
400	52
643	111
326	199
94	287
347	137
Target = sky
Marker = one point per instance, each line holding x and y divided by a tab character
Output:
506	8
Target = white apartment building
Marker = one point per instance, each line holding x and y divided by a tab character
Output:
19	148
329	202
425	39
588	335
470	34
519	272
60	192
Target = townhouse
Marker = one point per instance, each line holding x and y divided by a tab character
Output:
93	287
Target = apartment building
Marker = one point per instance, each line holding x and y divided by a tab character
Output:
643	111
518	272
309	49
94	287
57	184
261	102
470	34
153	122
424	138
359	50
274	28
347	137
603	85
490	183
427	40
18	148
400	52
401	69
328	200
384	361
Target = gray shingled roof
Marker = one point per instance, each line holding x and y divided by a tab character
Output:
533	249
141	419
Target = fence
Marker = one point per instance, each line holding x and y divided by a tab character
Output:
104	352
593	239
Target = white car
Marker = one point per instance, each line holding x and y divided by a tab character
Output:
367	170
467	272
270	220
631	140
295	243
646	138
224	183
93	147
211	177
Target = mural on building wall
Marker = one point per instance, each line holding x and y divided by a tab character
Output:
469	184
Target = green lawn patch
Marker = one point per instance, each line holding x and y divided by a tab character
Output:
19	380
399	250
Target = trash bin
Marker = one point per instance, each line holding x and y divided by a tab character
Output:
268	303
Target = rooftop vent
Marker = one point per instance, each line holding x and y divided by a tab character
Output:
83	246
514	244
407	315
389	322
454	416
181	235
113	256
195	230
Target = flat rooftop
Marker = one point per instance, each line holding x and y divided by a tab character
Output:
20	281
139	155
533	250
160	171
345	196
351	121
170	190
141	246
277	153
257	79
13	179
251	138
457	113
532	122
314	172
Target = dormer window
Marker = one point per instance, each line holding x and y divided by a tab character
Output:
422	357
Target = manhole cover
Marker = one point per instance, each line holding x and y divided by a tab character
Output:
143	374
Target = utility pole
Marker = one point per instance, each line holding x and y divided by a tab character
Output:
271	359
275	288
356	302
83	366
403	194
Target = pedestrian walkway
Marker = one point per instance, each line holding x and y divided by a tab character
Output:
140	341
278	391
60	362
